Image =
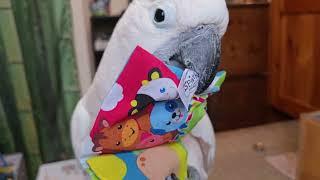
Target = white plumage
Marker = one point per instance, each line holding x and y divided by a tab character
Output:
137	27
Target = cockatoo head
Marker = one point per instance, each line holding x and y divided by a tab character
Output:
184	33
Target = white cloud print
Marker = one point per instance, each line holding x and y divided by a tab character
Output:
115	95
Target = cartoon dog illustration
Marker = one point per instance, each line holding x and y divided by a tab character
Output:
156	88
168	116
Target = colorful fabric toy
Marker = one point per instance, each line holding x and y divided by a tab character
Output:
144	110
156	163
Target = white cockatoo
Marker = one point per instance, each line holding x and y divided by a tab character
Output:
184	33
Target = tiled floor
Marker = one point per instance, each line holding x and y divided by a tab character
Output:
236	158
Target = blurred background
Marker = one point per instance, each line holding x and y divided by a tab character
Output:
50	50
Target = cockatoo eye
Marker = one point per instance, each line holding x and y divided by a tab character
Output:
163	15
159	16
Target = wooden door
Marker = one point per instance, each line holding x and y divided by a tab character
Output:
295	56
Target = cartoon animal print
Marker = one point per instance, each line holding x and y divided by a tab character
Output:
150	140
130	134
133	171
156	88
168	116
121	136
153	164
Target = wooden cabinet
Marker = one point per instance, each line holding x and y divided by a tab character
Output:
299	6
243	100
295	56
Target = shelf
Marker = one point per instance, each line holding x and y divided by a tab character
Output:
246	3
96	20
98	52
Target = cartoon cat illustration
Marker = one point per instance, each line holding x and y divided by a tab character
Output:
168	116
156	88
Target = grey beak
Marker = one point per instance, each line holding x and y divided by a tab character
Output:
198	49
